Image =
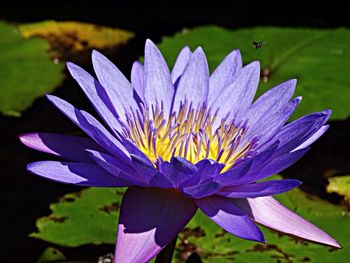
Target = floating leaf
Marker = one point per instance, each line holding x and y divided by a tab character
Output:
26	70
69	38
318	58
90	216
215	245
51	254
340	185
86	217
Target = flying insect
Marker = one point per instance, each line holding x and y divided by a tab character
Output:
259	44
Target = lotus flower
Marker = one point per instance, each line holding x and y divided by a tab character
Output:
180	141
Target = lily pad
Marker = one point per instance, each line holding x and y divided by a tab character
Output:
26	70
51	254
90	216
340	185
318	58
215	245
86	217
69	38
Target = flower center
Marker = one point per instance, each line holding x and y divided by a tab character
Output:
193	134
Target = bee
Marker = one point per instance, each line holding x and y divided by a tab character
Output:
259	44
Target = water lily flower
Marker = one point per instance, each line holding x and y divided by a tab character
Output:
181	141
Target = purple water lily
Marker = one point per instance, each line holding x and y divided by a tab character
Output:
183	140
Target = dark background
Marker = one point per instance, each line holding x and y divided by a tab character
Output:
24	198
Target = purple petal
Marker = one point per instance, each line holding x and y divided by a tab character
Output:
137	80
91	127
270	213
252	190
84	174
275	166
234	174
278	164
97	96
208	169
224	74
180	63
278	96
202	190
158	86
149	219
178	171
298	132
263	157
117	86
194	82
201	182
68	147
118	168
235	99
229	217
269	124
144	168
313	138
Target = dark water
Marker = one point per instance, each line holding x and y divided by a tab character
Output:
24	198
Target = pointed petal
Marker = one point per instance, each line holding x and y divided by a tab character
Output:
69	147
269	124
117	86
118	168
224	74
269	212
298	132
84	174
178	171
279	164
313	138
149	219
144	167
97	96
236	98
91	127
158	86
277	96
180	63
194	83
137	80
274	166
234	174
229	217
252	190
202	190
208	169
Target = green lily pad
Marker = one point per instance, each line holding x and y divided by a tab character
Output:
318	58
340	185
86	217
90	217
51	254
26	70
215	245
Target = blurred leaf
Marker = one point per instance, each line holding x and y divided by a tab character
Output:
90	216
86	217
340	185
51	254
318	58
69	38
26	70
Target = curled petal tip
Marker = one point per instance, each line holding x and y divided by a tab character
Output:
327	112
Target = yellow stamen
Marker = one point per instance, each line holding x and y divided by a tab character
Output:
190	134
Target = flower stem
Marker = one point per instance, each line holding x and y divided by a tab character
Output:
166	254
